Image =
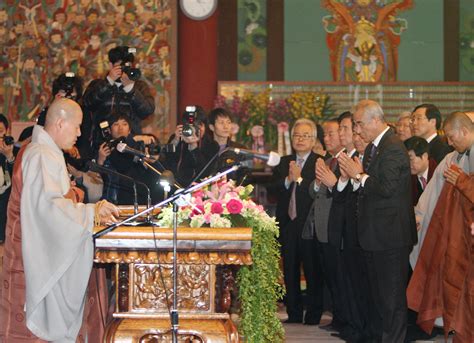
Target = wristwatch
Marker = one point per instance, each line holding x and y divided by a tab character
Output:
358	177
299	180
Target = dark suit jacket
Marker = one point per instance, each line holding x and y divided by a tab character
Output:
386	218
416	187
341	216
438	148
303	200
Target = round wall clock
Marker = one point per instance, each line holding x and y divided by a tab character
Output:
198	9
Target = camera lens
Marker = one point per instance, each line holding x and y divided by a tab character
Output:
188	130
9	140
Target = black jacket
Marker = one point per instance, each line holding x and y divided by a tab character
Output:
438	148
386	219
101	100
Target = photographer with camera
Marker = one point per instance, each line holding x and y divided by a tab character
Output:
120	91
193	146
7	158
116	190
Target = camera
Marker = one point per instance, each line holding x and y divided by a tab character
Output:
69	81
127	67
190	126
154	148
9	140
106	135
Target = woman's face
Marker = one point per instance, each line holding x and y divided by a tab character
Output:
120	129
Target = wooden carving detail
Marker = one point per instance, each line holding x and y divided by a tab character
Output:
363	38
123	275
166	337
150	282
144	256
225	285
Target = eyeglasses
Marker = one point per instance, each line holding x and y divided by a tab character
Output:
304	137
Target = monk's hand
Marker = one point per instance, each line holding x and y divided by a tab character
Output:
108	212
452	173
418	223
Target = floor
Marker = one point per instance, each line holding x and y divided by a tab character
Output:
298	333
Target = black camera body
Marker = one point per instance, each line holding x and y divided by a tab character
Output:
155	148
133	73
190	126
106	135
9	140
68	85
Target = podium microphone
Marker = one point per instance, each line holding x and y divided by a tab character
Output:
100	169
124	148
272	159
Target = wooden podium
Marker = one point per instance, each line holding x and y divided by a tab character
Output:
207	261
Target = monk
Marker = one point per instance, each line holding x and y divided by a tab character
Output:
48	258
442	284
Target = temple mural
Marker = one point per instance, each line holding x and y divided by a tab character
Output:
363	38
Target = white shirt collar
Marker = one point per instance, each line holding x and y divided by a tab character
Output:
377	140
424	174
351	153
337	155
430	138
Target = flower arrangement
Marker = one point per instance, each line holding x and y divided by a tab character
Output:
223	204
263	109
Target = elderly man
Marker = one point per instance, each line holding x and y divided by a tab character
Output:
386	222
51	252
443	278
291	179
403	126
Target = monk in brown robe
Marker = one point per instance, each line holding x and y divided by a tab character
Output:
442	284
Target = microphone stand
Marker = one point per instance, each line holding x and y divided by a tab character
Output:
173	199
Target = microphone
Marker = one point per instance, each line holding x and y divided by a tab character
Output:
272	159
100	169
124	148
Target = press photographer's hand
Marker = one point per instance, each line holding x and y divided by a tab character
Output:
6	150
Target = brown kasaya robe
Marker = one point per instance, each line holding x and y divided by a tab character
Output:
442	284
13	327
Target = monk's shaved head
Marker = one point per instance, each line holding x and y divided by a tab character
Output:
457	120
61	108
63	122
470	114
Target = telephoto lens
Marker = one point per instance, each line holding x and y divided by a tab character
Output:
9	140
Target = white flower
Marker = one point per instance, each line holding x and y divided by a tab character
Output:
197	221
218	221
249	29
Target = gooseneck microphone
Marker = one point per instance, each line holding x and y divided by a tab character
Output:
101	169
124	148
272	159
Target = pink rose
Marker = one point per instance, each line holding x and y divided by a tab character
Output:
196	210
216	208
234	206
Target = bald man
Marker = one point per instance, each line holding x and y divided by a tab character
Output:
443	279
51	253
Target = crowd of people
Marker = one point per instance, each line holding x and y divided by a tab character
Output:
366	209
370	222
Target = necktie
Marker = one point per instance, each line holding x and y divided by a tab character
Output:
332	163
423	182
292	206
372	149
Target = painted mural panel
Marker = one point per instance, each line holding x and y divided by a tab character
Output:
41	39
252	40
363	38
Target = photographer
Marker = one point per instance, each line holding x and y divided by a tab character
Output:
120	191
194	147
120	92
7	157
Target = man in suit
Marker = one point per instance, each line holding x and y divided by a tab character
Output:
291	180
385	217
426	121
421	165
321	191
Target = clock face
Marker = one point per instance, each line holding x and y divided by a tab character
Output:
198	9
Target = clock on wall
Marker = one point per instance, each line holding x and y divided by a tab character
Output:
198	9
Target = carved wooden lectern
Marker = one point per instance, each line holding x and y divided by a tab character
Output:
143	257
